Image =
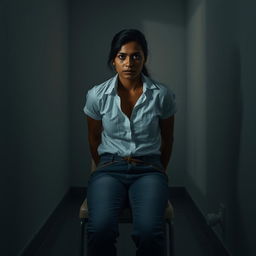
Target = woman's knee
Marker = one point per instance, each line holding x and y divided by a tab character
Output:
102	234
148	237
149	229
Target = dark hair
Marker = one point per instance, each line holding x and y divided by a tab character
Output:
125	36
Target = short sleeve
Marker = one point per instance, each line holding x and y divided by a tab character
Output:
169	107
92	107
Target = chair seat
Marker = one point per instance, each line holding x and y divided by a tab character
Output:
126	214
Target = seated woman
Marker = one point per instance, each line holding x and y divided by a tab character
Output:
130	130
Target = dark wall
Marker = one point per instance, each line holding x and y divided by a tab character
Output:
221	137
36	116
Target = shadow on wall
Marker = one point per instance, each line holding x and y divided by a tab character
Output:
224	117
224	114
235	151
196	175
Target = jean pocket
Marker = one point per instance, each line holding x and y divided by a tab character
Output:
158	167
104	164
157	164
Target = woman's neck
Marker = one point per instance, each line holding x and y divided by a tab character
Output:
130	85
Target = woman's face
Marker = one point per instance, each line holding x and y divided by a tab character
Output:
129	61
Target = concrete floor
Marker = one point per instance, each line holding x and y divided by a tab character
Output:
191	235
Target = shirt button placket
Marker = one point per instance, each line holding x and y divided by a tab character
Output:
129	137
132	139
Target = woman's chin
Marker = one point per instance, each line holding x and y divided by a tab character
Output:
130	76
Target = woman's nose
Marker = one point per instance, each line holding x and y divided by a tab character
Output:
129	61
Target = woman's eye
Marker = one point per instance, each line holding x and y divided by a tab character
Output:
136	57
121	57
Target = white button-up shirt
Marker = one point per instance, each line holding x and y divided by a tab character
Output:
139	135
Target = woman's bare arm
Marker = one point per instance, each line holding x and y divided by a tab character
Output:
167	128
94	137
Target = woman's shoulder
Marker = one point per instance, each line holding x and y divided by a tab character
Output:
163	88
102	88
167	99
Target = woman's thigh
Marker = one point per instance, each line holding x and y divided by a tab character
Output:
148	198
106	196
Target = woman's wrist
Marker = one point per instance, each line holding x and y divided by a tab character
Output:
165	157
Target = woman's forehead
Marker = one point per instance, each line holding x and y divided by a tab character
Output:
131	47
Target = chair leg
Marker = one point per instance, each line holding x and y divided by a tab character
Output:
165	239
82	222
171	238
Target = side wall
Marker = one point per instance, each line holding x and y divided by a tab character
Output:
37	125
221	123
245	211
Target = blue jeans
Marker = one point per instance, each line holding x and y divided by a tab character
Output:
116	183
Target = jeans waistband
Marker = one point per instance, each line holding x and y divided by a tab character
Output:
151	160
115	157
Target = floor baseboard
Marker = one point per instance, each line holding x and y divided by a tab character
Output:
38	239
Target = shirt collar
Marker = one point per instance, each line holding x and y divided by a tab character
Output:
147	84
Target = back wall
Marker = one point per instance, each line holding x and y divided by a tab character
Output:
90	37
